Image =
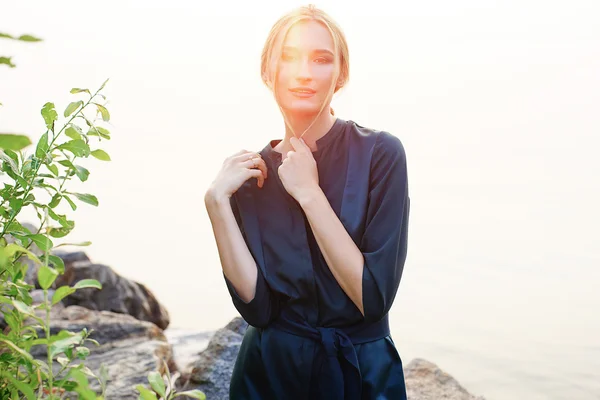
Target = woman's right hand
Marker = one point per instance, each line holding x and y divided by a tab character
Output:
236	170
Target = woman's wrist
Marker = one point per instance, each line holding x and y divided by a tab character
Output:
213	198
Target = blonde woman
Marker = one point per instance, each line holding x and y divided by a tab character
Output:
312	233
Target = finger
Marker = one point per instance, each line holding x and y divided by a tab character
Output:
262	165
256	163
246	156
297	144
256	173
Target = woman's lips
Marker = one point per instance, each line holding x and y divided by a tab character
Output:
303	92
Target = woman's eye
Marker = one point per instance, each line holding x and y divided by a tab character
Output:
287	57
322	60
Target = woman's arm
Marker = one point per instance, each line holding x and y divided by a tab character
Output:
343	257
369	273
247	286
237	262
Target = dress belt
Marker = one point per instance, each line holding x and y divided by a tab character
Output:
335	369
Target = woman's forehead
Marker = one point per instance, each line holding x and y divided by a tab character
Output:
308	36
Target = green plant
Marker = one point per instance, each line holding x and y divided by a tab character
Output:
46	171
23	38
38	181
165	391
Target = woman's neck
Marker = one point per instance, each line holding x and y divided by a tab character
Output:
299	124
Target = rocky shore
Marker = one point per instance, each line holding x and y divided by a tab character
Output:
132	329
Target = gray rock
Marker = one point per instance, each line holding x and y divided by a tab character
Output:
187	345
129	348
426	381
118	294
211	372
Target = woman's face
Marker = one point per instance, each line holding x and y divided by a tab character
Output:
306	69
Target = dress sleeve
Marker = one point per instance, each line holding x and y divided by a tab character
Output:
384	243
264	307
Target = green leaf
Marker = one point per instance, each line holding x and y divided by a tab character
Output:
61	293
71	203
145	394
74	132
72	107
82	352
99	131
46	276
104	84
74	244
54	169
10	158
7	61
78	147
62	345
50	115
16	227
157	383
16	204
29	38
43	242
55	200
82	173
100	155
88	283
86	198
14	248
11	141
58	232
57	262
67	163
104	112
22	307
11	321
194	394
21	386
63	361
78	90
62	219
42	146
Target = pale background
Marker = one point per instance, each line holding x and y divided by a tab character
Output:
497	104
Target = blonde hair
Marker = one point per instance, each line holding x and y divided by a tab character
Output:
272	52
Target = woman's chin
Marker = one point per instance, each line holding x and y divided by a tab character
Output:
302	108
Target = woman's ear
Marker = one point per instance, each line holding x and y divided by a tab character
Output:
341	81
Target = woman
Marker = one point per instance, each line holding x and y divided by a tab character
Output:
313	250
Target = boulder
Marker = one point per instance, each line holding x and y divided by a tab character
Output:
129	348
426	381
118	294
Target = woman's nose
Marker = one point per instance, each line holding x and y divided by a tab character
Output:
303	72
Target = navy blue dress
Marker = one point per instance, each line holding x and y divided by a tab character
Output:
307	339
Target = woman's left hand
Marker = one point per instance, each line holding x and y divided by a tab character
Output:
298	172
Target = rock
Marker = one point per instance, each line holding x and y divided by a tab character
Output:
129	348
425	381
118	294
211	372
186	345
